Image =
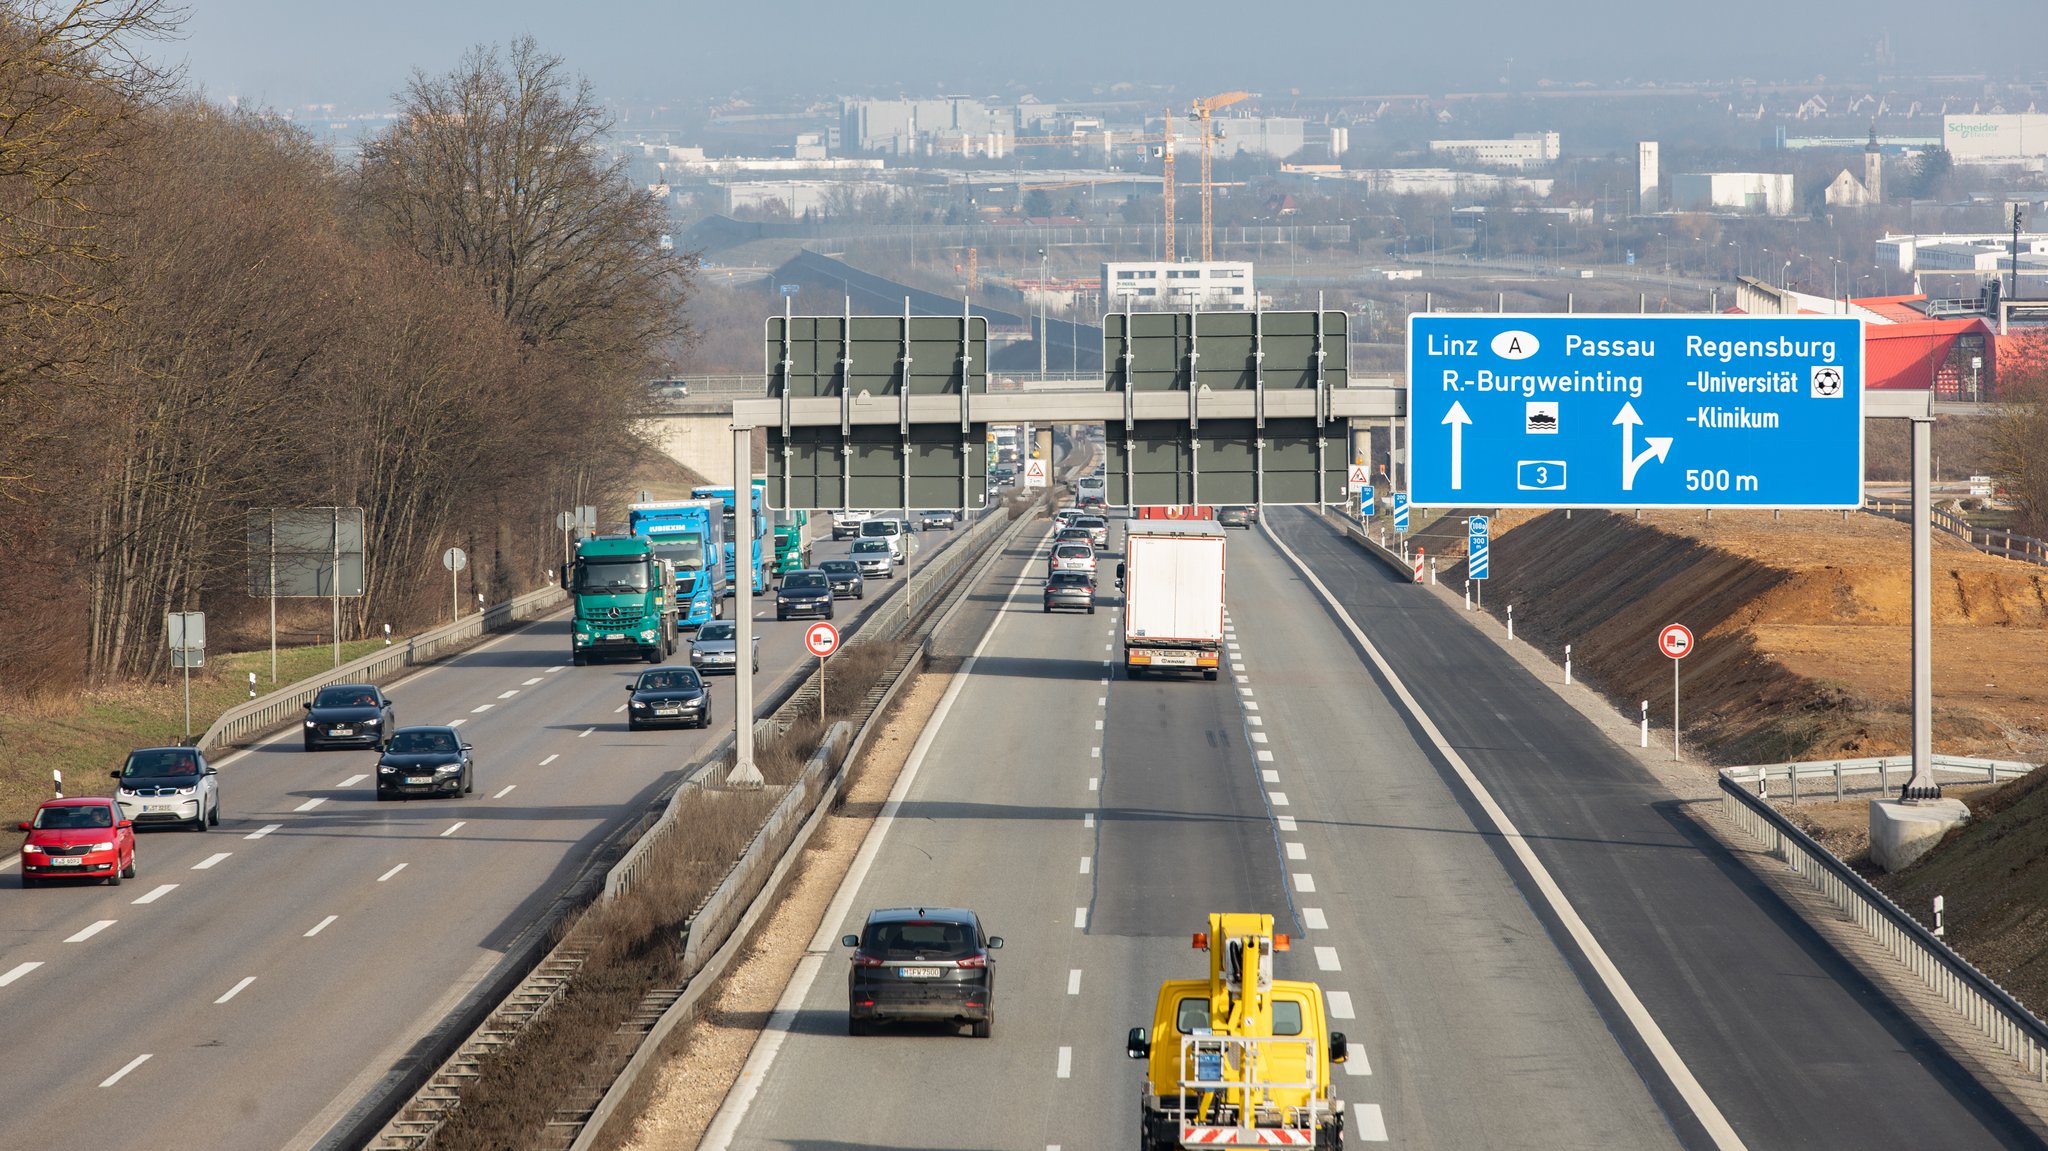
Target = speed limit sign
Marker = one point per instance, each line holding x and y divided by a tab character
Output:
821	640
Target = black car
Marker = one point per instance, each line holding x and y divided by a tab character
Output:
846	578
1237	516
806	591
425	761
1070	589
668	695
349	715
922	963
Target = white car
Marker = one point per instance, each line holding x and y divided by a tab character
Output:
1072	557
169	785
846	523
896	531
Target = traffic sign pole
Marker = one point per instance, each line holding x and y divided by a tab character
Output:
821	640
1675	641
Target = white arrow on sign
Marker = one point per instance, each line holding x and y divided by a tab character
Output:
1458	420
1631	462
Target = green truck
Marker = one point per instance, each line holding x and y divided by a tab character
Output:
624	600
792	544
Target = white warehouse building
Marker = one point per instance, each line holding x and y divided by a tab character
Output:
2012	138
1759	193
1523	150
1218	286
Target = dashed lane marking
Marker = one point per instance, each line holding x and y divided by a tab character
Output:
320	926
89	932
1258	737
1313	916
1340	1005
1304	882
1065	1067
1357	1063
1095	753
1278	798
458	722
209	861
1265	756
508	694
1087	862
21	969
310	804
531	682
260	832
1088	820
1326	959
236	989
584	732
458	826
1296	851
390	873
1367	1124
131	1065
507	791
1095	784
555	669
550	759
1074	981
1286	822
481	708
159	893
1250	706
1081	918
352	780
1270	776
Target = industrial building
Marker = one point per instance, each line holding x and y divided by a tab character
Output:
1956	251
1521	151
2006	138
1216	286
1756	193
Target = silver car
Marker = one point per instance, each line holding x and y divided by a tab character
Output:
716	644
876	558
169	785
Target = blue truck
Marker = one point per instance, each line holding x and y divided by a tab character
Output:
691	535
757	563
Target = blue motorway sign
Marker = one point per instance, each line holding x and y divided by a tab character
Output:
1365	502
1600	411
1401	512
1478	547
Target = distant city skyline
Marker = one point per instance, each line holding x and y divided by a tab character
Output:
358	56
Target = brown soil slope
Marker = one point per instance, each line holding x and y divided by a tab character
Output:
1803	622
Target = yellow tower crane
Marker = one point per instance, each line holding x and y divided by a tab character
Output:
1203	108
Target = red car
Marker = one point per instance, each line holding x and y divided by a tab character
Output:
85	836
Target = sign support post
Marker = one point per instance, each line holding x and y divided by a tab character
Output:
743	774
821	640
1675	641
1922	784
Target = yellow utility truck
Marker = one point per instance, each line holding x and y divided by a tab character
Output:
1240	1059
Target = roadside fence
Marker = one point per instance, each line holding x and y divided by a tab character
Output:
1993	541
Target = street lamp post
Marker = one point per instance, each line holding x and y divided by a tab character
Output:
1041	313
1783	273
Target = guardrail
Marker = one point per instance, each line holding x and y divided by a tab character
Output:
1973	995
275	709
1998	542
1758	777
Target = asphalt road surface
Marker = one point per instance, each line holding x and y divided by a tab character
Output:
254	981
1094	821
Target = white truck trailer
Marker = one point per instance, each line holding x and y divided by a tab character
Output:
1173	598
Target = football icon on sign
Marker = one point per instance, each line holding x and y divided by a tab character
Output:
1827	382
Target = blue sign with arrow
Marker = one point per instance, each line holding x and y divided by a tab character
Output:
1477	547
1599	411
1365	502
1401	512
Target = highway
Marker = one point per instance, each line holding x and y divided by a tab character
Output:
253	982
1596	974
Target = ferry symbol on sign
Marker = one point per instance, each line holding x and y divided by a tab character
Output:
1541	419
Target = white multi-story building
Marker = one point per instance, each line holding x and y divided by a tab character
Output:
1760	193
1215	286
2006	138
1523	150
1917	253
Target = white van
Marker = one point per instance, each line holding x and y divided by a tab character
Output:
896	531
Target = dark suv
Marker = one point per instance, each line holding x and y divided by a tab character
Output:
349	715
922	963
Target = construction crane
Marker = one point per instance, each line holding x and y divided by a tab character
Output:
1203	108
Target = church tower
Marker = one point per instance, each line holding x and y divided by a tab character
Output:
1873	168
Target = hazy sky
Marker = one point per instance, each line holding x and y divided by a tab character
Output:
357	52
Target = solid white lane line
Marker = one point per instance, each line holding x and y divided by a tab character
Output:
1270	776
320	926
508	694
1264	755
236	989
459	824
390	873
1313	916
1081	918
1286	822
507	791
1659	1045
1304	882
1065	1068
110	1080
1095	785
1088	820
458	722
1367	1124
89	932
260	832
531	682
21	969
481	708
210	860
1340	1005
550	759
584	732
725	1125
1296	851
1277	798
311	804
159	893
352	780
1326	959
1074	981
1086	862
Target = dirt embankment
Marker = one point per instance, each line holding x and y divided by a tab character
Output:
1803	623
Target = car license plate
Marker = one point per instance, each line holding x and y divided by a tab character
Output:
416	779
668	711
615	635
156	807
341	731
1173	657
68	861
918	972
